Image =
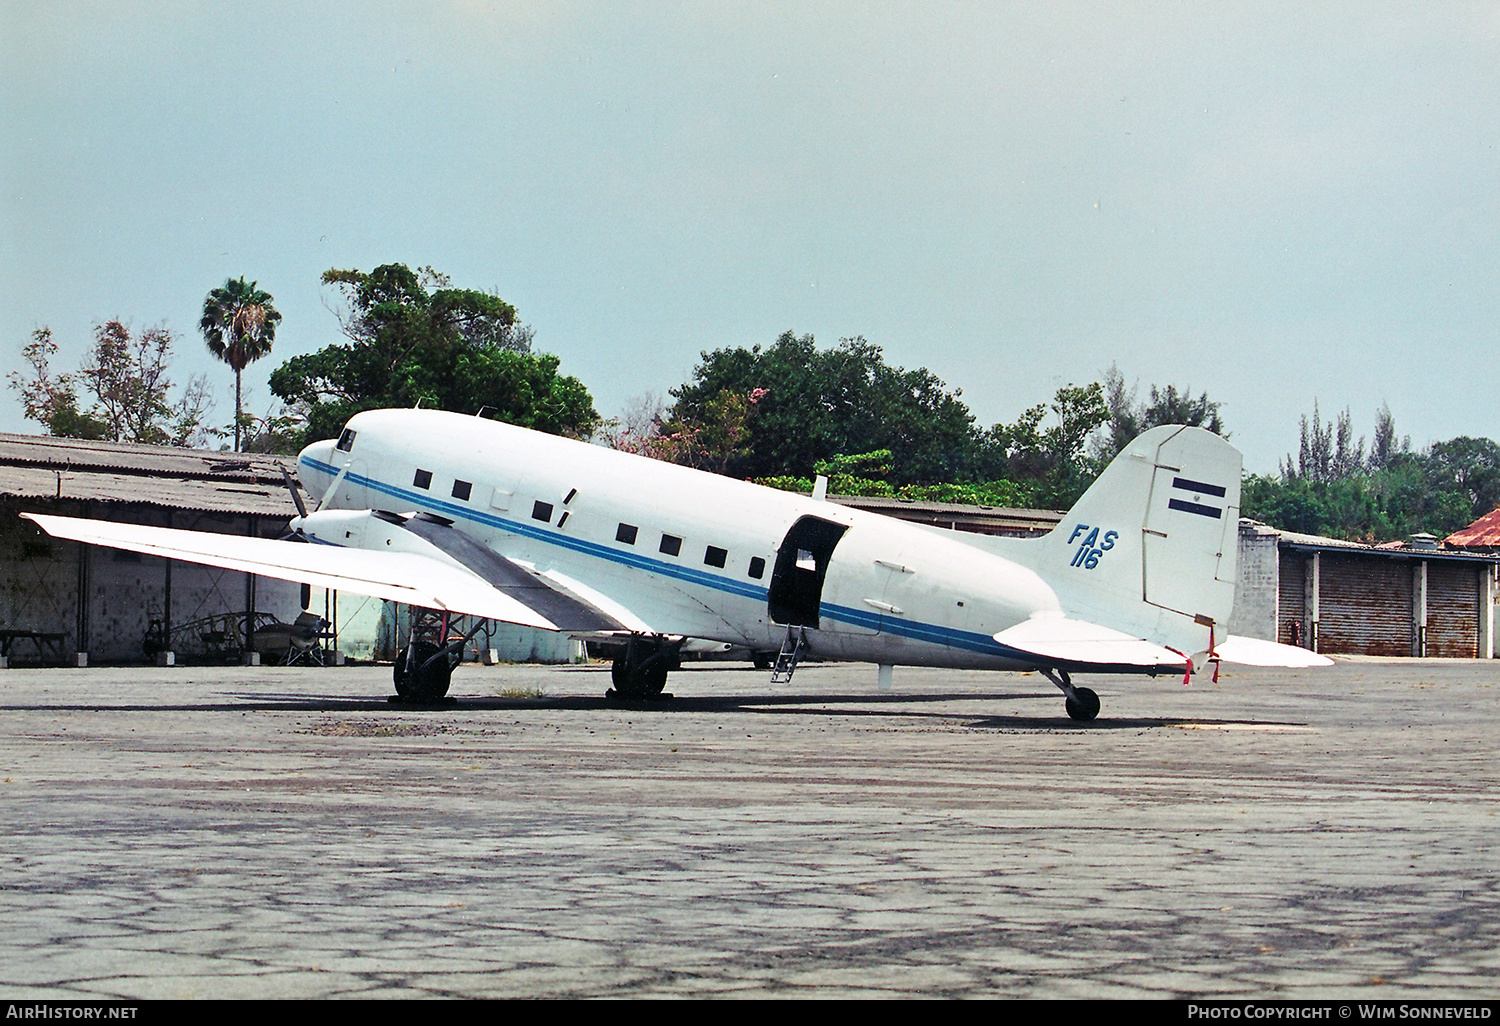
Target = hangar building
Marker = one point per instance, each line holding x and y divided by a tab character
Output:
65	602
1412	598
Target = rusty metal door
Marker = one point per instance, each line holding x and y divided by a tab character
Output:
1453	609
1365	606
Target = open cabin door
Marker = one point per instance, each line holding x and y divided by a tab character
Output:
796	589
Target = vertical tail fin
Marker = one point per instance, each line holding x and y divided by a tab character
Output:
1151	547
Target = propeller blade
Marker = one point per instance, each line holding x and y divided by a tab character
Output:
296	495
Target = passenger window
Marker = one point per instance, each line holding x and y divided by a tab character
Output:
671	544
715	556
757	567
461	490
423	479
625	533
541	511
346	440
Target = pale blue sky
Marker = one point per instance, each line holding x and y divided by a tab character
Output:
1270	201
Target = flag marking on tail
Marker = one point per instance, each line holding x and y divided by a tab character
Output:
1199	489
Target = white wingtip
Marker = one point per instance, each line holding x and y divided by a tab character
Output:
1257	652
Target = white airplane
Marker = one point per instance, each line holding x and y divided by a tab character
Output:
464	515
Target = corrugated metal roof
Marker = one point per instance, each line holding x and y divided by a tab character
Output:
1483	533
39	467
978	519
1389	549
1300	540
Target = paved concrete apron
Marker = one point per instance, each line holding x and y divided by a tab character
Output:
223	832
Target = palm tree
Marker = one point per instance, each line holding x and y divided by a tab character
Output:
239	324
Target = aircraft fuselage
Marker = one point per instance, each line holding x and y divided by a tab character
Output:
684	552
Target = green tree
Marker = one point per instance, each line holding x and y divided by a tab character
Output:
1327	452
239	325
415	341
819	403
865	475
52	399
126	374
279	431
1468	468
1333	489
1128	417
1051	459
1385	447
712	444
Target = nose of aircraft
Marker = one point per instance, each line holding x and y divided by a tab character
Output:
318	455
315	467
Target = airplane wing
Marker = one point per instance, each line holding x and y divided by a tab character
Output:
1060	639
1256	652
486	585
1057	639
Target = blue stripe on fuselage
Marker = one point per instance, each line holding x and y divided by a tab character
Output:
932	633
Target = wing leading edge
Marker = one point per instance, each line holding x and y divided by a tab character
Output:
496	588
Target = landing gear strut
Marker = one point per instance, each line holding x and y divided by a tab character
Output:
641	670
424	667
1082	704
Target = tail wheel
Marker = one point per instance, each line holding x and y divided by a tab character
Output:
1082	704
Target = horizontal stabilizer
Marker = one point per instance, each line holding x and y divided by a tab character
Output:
1058	640
399	576
1256	652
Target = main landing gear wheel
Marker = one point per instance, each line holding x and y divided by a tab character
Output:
641	670
420	677
644	681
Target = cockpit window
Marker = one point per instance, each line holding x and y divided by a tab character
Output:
346	440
